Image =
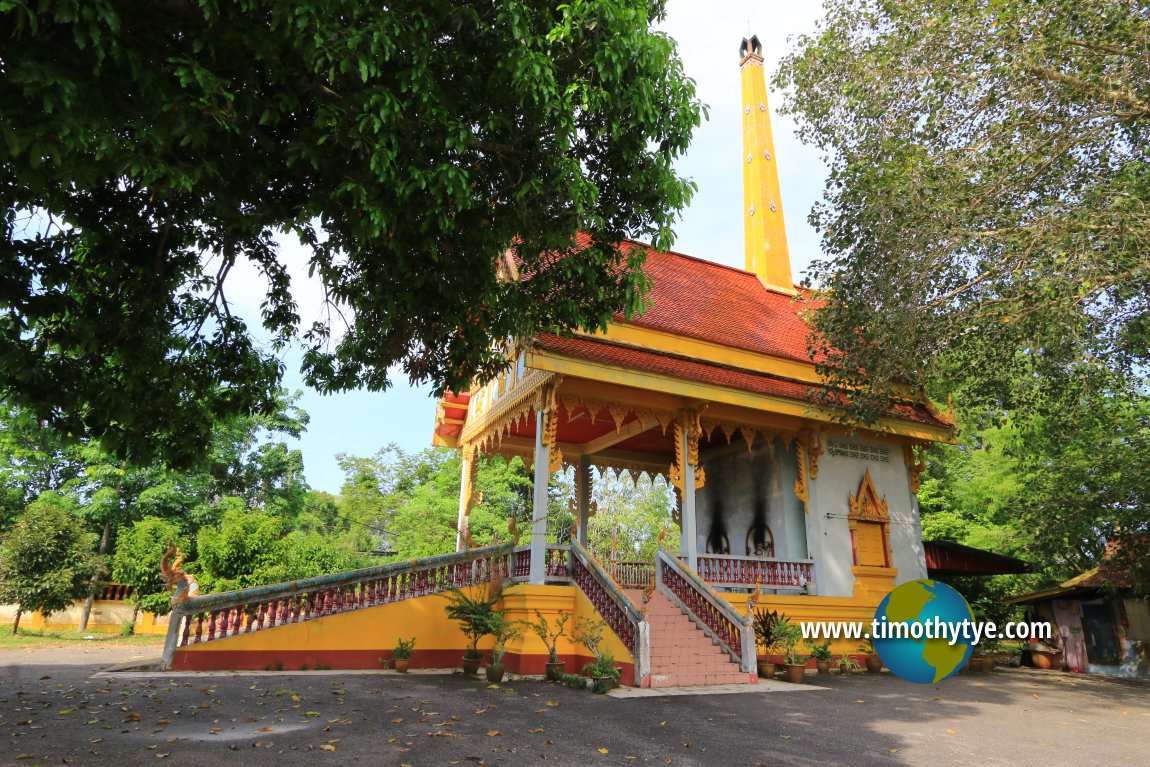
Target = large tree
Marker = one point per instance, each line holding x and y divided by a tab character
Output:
146	149
46	559
986	209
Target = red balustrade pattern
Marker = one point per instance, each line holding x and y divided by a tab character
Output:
750	571
281	605
704	609
633	575
556	563
114	592
613	613
522	569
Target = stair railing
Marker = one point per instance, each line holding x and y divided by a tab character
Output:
233	613
710	612
627	621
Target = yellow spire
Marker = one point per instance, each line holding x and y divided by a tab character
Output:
764	231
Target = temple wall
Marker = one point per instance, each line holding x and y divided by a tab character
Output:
365	638
841	470
743	486
107	616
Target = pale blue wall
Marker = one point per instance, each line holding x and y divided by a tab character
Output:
739	482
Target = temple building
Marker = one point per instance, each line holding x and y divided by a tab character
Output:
712	388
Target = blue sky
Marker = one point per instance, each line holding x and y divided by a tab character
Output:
360	423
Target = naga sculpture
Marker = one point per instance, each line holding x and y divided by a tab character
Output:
183	585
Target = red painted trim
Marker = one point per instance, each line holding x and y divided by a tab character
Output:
295	660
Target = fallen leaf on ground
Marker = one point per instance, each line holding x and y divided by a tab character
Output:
602	751
492	733
327	747
536	729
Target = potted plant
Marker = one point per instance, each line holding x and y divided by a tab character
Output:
764	625
847	665
985	654
503	631
789	635
873	662
604	673
588	632
474	615
822	656
401	655
549	634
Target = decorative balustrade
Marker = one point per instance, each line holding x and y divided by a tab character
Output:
714	615
555	570
114	592
216	616
617	610
722	570
633	575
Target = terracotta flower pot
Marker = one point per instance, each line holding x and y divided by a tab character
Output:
767	669
846	670
824	666
494	672
873	664
401	664
471	663
555	671
1041	659
796	673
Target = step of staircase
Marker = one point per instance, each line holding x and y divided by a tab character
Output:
681	654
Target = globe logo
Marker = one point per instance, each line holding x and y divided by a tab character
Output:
923	631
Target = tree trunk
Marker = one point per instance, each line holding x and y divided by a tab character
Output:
16	623
95	579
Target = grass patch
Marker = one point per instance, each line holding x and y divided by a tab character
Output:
29	638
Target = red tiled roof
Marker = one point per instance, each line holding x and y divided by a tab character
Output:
675	366
712	302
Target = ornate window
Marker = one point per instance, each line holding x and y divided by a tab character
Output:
869	523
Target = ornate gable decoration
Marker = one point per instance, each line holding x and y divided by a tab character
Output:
867	505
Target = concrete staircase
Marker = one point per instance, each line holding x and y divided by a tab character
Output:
681	654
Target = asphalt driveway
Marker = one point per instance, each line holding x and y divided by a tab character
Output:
53	711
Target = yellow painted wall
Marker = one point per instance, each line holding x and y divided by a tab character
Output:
378	628
106	617
854	609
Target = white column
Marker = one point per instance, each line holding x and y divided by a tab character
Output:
465	491
539	506
690	529
583	495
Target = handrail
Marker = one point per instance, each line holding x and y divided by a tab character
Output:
627	621
710	612
231	613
